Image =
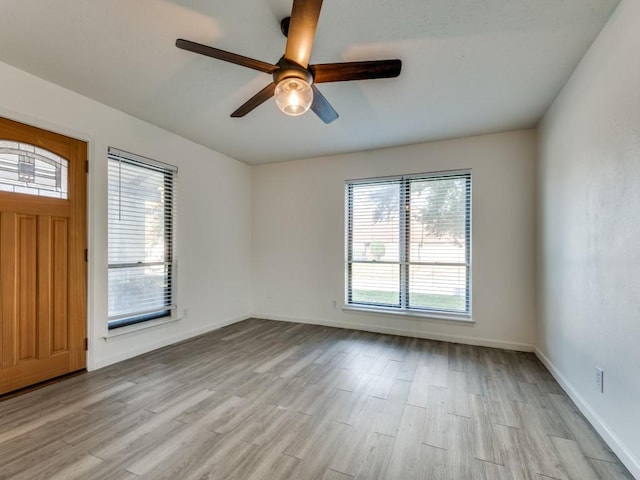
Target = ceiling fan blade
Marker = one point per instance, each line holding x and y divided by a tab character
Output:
342	72
302	30
258	99
226	56
322	108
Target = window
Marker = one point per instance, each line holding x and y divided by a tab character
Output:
408	245
32	170
141	218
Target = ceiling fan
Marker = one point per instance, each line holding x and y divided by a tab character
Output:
294	78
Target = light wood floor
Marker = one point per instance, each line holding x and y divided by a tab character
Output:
271	400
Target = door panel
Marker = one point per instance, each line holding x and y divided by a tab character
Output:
8	288
26	255
42	245
59	286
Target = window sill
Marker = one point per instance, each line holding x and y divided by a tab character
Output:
410	313
119	332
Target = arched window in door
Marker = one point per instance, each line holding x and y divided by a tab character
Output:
32	170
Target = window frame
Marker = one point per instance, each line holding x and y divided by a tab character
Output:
404	240
169	310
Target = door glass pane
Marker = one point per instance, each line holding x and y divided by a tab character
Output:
32	170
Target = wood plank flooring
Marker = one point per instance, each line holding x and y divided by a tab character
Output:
270	400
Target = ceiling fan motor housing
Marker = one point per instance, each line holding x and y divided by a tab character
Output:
288	69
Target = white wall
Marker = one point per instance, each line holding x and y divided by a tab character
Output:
298	237
589	234
214	226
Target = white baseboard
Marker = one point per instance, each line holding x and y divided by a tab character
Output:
632	463
104	362
483	342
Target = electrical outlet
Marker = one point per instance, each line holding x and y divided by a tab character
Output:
600	379
185	312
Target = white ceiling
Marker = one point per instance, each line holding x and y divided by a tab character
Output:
469	66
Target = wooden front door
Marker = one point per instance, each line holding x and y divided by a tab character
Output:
42	255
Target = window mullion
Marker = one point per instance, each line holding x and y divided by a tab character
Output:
467	237
349	293
404	242
168	232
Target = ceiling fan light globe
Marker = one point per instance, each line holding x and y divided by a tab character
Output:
293	96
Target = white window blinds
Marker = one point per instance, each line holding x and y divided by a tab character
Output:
141	210
409	243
